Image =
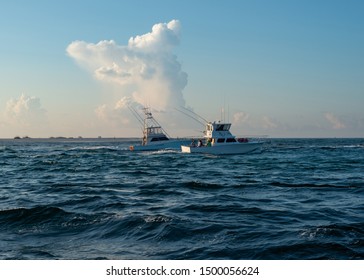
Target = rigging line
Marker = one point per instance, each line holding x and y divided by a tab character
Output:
197	120
192	112
165	132
137	116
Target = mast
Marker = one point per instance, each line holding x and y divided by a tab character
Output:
151	126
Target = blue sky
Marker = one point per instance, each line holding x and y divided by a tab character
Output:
278	68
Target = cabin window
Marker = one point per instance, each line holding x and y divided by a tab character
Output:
230	140
154	130
159	139
220	140
223	127
219	127
226	127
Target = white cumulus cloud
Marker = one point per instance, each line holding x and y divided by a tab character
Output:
163	37
145	69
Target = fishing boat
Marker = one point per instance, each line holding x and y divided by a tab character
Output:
218	140
154	136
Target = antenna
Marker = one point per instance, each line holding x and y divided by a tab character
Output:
224	108
223	111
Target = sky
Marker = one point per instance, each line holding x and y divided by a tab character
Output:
283	68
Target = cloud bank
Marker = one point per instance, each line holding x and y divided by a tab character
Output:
24	116
24	110
146	70
334	121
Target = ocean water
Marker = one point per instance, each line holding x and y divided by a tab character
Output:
94	199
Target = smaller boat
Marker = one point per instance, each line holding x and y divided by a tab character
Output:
218	140
154	136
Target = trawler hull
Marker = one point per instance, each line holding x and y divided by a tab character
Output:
164	145
225	149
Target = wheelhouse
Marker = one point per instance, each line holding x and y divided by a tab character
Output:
219	131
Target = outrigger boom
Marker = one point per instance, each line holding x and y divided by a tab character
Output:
154	136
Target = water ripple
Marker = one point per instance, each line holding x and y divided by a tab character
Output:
94	199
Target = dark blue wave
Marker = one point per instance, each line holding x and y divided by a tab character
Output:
93	199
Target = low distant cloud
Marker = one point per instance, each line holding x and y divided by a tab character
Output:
23	116
334	121
25	110
240	118
269	123
114	115
253	122
146	70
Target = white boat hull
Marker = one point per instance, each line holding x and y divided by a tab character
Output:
164	145
225	149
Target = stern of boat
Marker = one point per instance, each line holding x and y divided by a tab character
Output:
186	149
